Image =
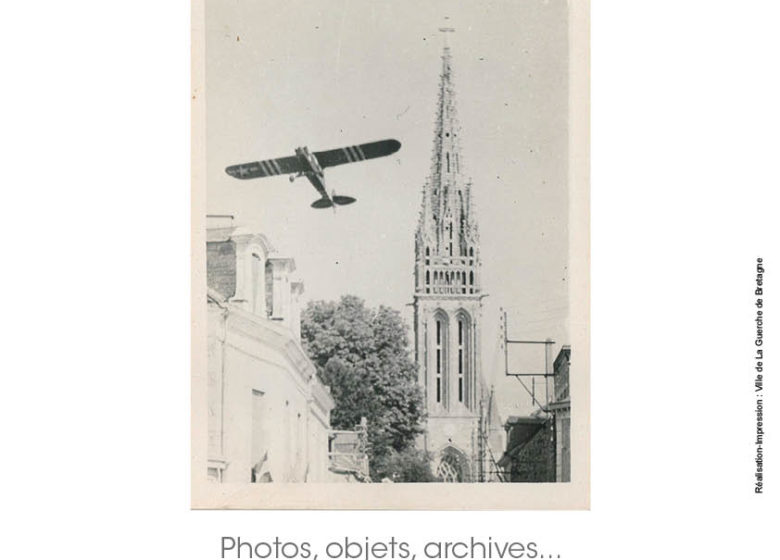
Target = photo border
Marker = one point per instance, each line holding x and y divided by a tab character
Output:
407	496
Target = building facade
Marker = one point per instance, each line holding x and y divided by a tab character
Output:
561	410
538	447
268	413
447	301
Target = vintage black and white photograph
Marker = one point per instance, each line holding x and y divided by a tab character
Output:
390	255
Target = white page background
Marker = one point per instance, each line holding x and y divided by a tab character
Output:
95	411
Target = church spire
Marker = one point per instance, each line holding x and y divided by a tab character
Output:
447	227
448	299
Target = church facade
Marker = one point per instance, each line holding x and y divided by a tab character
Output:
447	303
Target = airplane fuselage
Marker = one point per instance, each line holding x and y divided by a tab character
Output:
312	169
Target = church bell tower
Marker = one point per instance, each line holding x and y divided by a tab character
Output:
447	300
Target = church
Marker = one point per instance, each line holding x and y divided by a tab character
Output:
448	304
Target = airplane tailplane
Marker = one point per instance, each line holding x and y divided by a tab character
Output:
322	203
343	200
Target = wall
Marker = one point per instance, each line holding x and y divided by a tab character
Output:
561	407
268	412
221	270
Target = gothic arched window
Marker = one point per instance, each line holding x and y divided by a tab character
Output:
453	466
439	329
446	472
440	351
464	358
461	349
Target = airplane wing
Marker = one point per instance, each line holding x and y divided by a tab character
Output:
265	168
351	154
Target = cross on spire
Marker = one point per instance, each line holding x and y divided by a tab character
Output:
446	30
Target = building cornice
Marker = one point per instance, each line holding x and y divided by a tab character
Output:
275	335
320	395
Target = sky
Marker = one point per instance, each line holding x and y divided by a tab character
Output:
283	74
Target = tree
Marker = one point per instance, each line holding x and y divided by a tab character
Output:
363	355
409	465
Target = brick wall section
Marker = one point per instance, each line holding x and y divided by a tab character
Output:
221	267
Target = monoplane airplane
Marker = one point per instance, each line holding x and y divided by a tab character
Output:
312	166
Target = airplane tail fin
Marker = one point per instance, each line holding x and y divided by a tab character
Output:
334	200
